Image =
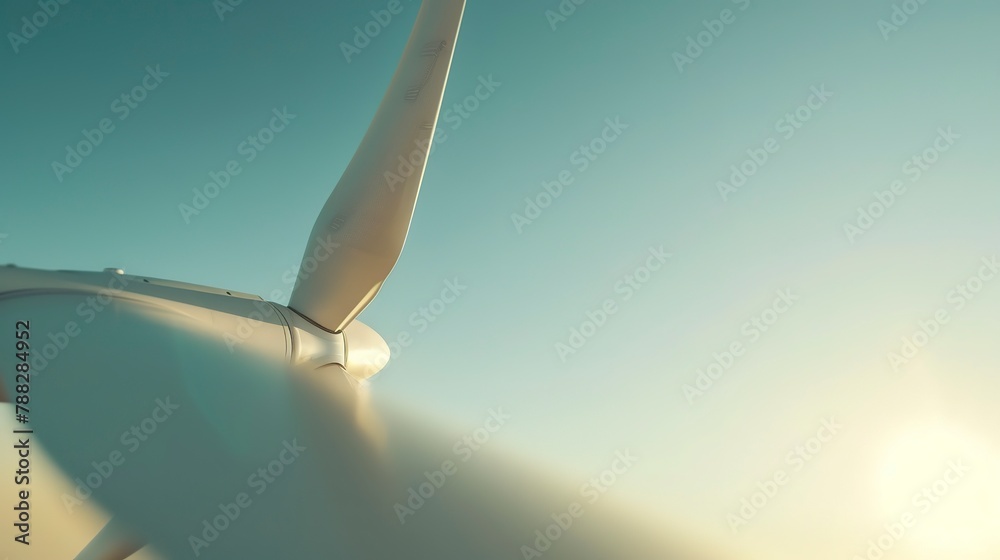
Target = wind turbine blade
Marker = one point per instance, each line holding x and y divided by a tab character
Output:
112	543
203	452
362	228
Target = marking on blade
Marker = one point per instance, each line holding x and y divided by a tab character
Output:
433	49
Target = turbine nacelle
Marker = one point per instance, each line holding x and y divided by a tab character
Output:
245	323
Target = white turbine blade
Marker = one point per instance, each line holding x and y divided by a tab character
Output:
362	228
112	543
237	448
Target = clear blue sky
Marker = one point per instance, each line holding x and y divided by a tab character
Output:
656	185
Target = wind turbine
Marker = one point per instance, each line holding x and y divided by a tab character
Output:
356	240
170	403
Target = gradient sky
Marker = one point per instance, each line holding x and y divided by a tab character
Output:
656	185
